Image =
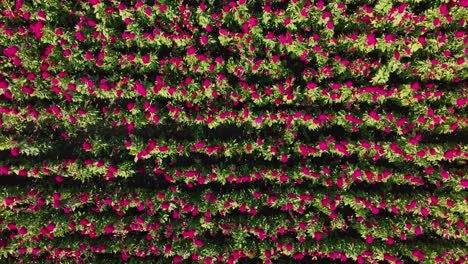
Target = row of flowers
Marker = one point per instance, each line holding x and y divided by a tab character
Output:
72	118
335	174
267	228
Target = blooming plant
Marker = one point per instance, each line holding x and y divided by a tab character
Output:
233	131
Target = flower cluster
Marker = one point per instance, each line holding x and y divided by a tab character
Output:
226	131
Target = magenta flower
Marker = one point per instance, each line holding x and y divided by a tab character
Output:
223	32
204	39
464	183
79	35
284	158
109	228
453	126
371	41
198	242
14	152
418	254
323	146
140	89
318	235
146	58
87	146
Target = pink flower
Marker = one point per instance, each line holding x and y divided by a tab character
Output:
92	23
336	86
163	148
41	14
8	201
366	144
424	211
252	21
148	11
323	146
178	259
464	183
124	255
204	39
389	38
422	40
341	149
460	61
51	227
56	196
287	21
79	35
203	6
146	58
448	155
443	10
371	41
304	150
10	52
223	31
141	89
14	152
444	174
415	86
418	254
35	250
298	255
401	122
395	209
189	233
109	228
198	243
396	55
3	84
11	226
418	231
318	235
58	178
453	126
191	51
289	246
87	146
390	241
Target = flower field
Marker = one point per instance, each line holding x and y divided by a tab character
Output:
270	131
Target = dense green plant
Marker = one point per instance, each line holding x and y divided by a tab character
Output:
233	131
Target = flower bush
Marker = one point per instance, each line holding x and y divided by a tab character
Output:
233	131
